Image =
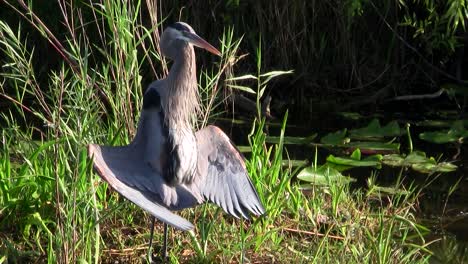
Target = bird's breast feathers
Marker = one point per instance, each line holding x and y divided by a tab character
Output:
182	162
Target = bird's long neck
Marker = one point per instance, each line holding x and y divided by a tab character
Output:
183	101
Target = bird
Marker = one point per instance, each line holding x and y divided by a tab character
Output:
168	166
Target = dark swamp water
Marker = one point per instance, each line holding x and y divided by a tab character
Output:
443	204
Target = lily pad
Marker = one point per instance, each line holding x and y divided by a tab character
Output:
291	140
351	115
375	130
431	168
441	123
375	147
337	138
397	160
379	190
344	163
456	133
323	176
418	161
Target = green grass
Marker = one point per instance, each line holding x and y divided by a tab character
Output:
54	208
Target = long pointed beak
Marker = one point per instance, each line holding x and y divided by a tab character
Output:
199	42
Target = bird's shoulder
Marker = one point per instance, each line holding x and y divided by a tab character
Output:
155	94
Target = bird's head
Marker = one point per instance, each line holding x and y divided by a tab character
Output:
179	34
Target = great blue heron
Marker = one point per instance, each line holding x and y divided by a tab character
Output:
168	166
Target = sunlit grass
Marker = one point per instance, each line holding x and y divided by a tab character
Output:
54	208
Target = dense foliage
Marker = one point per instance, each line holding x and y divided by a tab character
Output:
345	54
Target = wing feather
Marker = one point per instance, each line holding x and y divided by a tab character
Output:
223	178
134	180
229	200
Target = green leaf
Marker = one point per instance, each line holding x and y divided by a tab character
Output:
350	115
275	73
292	140
431	167
244	149
418	157
294	163
243	77
337	138
446	167
374	130
344	163
324	176
356	155
242	88
378	190
270	75
370	147
439	137
436	123
456	133
418	161
396	160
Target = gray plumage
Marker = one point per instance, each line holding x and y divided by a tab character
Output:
167	166
220	177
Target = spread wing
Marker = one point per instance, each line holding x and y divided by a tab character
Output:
137	171
223	178
126	175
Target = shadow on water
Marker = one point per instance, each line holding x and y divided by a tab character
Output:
443	204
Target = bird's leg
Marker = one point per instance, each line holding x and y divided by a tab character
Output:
164	249
150	246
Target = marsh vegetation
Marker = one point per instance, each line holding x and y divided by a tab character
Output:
351	115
